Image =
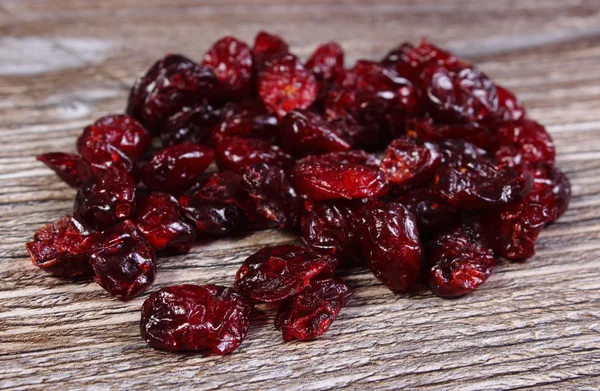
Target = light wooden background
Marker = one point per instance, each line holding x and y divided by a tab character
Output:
534	325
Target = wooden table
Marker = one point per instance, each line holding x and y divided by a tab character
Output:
534	325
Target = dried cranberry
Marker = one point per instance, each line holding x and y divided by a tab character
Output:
63	248
523	142
409	161
268	47
432	212
174	169
236	153
159	220
195	318
509	107
69	167
460	261
106	199
102	155
474	133
191	124
122	132
305	133
285	85
552	189
275	273
391	244
311	312
243	123
124	265
339	175
327	65
458	152
231	61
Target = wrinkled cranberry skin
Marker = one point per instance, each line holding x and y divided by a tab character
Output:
122	132
236	153
268	47
338	175
552	189
106	199
409	161
509	107
268	199
124	265
231	61
67	166
195	318
333	228
474	133
63	248
102	155
327	65
285	85
522	143
193	124
391	244
247	122
275	273
459	260
160	222
174	169
310	313
307	133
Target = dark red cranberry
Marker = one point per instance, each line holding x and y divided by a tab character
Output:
523	142
72	169
474	133
193	124
124	265
106	199
275	273
459	260
326	64
285	85
310	313
409	161
236	153
458	152
231	61
159	220
250	121
552	189
196	318
509	107
122	132
102	155
174	169
268	47
63	248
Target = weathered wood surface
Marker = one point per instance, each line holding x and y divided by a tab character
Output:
534	325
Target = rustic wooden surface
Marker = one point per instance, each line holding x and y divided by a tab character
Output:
534	325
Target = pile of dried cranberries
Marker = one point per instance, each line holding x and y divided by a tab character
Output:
463	177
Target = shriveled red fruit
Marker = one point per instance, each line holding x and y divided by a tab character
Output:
522	143
174	169
211	204
458	152
209	318
552	189
474	133
459	94
310	313
171	84
275	273
268	47
391	244
193	124
410	161
122	132
333	228
326	64
231	61
102	155
509	107
69	167
237	153
433	214
459	260
250	120
159	220
339	175
63	248
306	133
106	199
268	199
285	85
124	265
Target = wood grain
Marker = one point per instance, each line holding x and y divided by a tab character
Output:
534	325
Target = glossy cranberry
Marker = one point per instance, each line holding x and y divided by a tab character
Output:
459	260
275	273
433	214
509	107
122	132
71	168
326	64
306	133
268	47
209	318
159	220
523	142
456	152
63	248
474	133
391	244
174	169
339	175
247	122
552	189
409	161
310	313
106	199
236	153
231	61
124	265
102	155
193	124
285	85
